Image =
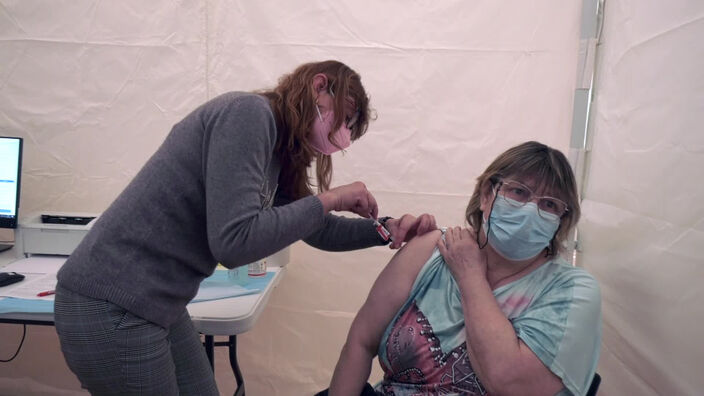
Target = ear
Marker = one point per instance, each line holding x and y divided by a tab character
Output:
486	197
320	83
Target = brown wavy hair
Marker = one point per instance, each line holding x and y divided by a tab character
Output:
293	103
552	172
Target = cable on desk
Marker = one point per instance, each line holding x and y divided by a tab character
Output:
24	333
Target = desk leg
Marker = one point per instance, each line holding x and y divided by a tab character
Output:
209	346
235	366
231	344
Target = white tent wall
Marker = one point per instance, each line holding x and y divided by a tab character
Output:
94	87
643	225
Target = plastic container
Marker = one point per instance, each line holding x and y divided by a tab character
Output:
257	268
239	275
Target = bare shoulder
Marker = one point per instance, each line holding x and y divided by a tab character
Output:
410	259
422	245
391	289
394	283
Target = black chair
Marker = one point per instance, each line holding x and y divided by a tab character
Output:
368	390
595	385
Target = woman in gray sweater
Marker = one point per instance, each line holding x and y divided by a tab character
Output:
229	184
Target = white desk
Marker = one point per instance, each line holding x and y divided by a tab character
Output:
229	317
225	317
233	315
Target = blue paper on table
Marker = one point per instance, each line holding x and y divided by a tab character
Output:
214	287
12	305
218	286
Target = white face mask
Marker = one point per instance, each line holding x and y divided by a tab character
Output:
322	128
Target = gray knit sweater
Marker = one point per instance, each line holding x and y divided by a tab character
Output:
204	197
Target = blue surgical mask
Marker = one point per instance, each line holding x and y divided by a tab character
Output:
519	233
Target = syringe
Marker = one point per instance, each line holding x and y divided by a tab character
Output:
383	232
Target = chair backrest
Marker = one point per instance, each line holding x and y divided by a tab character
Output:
595	385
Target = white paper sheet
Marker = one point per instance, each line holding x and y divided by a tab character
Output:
36	265
30	286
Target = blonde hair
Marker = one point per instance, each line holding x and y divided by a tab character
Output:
551	171
293	103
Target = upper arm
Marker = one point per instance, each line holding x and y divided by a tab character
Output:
241	141
390	291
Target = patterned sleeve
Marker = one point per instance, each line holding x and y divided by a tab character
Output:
563	328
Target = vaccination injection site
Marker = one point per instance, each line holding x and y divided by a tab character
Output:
344	198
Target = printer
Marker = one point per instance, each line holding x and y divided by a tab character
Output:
52	232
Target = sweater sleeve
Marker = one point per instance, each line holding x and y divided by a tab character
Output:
339	233
240	135
342	234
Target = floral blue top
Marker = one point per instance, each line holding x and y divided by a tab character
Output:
555	310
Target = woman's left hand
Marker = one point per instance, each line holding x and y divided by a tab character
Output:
462	253
408	227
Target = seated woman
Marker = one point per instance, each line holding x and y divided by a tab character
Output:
492	309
